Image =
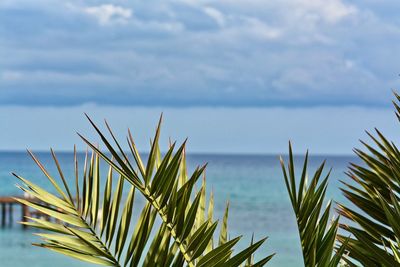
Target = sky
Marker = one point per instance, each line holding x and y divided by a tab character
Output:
235	76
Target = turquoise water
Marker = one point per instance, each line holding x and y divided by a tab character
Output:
252	183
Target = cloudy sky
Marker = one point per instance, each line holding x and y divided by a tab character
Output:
234	75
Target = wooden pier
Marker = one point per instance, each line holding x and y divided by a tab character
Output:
8	204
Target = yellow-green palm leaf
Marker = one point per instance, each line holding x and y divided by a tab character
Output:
97	225
317	235
375	209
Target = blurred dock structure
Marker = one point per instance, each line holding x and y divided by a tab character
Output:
9	205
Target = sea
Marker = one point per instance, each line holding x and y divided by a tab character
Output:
253	185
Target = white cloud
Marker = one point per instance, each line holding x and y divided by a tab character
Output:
295	21
227	52
215	14
349	64
159	26
260	29
108	14
330	11
10	75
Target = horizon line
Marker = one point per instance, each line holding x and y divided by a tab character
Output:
210	153
380	105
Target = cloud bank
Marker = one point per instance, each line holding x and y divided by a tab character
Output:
199	53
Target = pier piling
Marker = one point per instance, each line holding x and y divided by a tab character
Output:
7	211
3	214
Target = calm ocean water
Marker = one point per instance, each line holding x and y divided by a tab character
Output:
252	183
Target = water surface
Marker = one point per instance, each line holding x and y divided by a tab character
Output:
253	184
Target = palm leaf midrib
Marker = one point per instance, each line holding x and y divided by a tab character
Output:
186	232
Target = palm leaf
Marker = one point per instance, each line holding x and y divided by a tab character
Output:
317	236
375	212
173	227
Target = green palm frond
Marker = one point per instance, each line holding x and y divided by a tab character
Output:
97	225
317	236
375	213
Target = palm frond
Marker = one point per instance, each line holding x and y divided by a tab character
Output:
375	212
317	236
173	227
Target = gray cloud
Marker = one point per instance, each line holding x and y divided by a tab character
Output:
201	53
